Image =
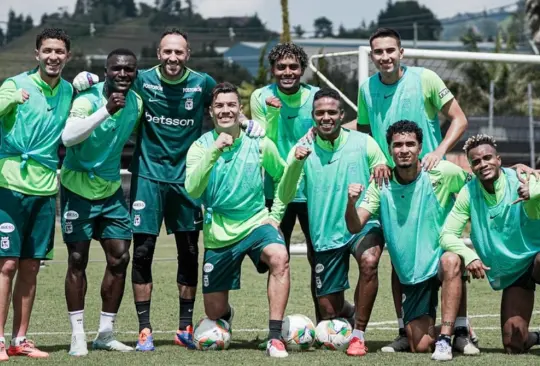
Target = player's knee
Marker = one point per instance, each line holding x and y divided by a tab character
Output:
451	264
77	261
328	310
188	264
513	347
214	310
143	254
9	268
368	266
118	264
278	261
515	336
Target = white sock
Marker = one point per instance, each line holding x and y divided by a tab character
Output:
358	334
462	321
76	318
401	325
16	341
106	322
2	340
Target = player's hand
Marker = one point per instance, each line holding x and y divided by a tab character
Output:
301	152
431	160
84	80
253	128
272	222
224	140
273	102
22	96
381	173
477	269
309	137
116	102
355	191
524	169
523	193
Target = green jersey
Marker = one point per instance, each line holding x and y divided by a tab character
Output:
230	185
172	121
91	168
418	96
328	171
31	133
412	216
285	125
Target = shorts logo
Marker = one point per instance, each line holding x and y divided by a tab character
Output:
318	282
68	227
4	243
139	205
189	104
137	220
7	228
208	267
319	268
71	215
206	282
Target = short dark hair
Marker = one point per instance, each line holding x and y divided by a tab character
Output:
477	140
121	52
53	33
404	126
174	30
288	49
224	88
385	32
327	92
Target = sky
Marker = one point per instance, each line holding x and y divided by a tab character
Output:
350	13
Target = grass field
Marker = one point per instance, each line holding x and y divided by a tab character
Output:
51	331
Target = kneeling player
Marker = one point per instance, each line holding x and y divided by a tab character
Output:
504	211
339	157
224	169
412	209
93	206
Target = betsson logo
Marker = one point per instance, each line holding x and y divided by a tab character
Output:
169	121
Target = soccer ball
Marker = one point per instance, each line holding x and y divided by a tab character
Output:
212	334
298	332
333	334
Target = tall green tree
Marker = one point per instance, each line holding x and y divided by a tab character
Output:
402	15
323	27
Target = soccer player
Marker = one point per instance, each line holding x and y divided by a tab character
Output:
93	207
175	98
412	209
504	210
34	107
398	92
337	158
223	168
284	108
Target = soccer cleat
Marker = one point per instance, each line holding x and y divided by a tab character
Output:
400	344
276	348
3	354
231	317
443	350
106	341
78	345
463	344
357	347
184	338
26	348
145	342
474	337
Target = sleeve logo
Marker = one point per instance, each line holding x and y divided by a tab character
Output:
443	93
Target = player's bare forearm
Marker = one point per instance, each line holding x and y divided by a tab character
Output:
353	218
458	125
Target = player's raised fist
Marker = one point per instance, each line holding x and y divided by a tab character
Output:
116	102
273	102
224	140
301	152
355	190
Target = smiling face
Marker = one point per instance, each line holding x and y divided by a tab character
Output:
405	149
120	72
386	54
328	115
173	53
225	110
288	72
485	162
52	56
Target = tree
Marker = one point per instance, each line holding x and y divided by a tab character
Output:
15	26
189	10
532	10
145	10
28	23
299	31
286	27
2	37
403	14
129	8
80	8
323	27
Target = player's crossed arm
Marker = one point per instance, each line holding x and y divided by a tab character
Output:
355	217
200	161
293	173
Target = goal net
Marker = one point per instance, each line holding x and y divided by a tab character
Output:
499	92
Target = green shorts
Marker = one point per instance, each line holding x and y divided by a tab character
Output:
332	266
222	267
84	219
26	225
420	299
153	201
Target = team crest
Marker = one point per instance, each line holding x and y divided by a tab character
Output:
189	104
4	244
137	220
68	227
